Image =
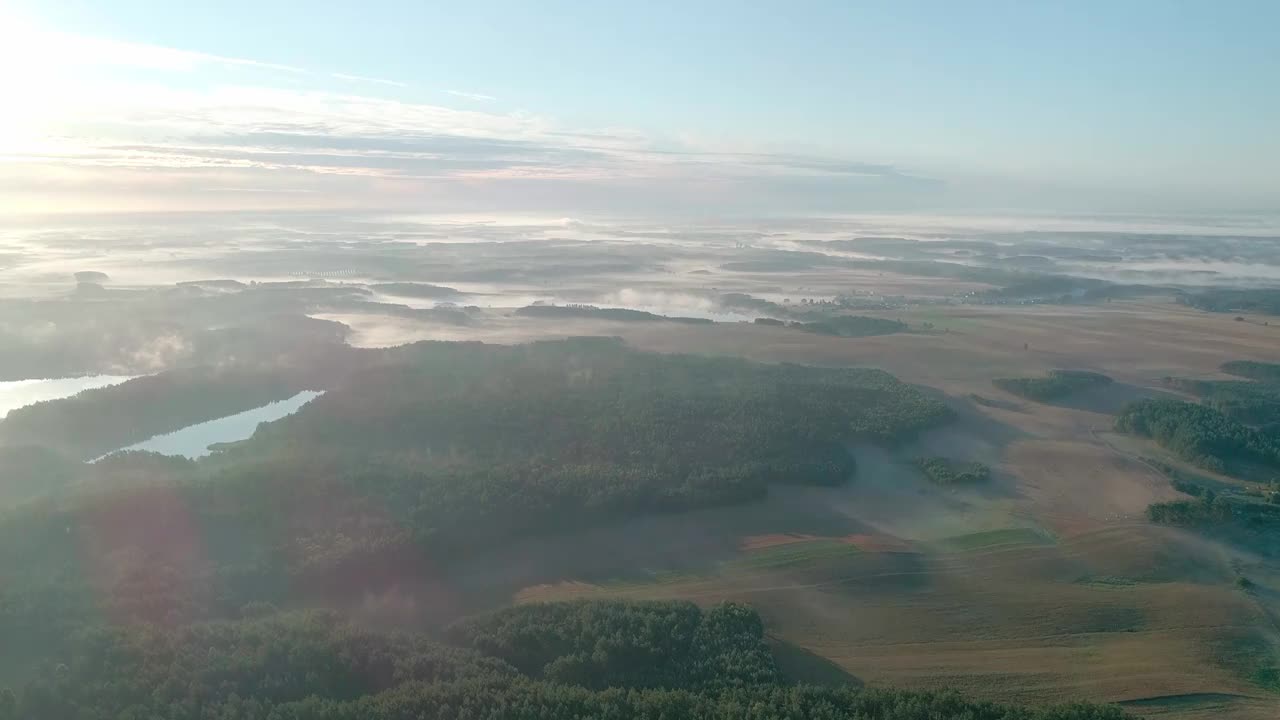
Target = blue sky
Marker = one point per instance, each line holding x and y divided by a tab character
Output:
645	107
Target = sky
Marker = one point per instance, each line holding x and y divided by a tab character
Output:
640	107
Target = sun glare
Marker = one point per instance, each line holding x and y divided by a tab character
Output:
37	77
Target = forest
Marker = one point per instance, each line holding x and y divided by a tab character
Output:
1265	372
1264	301
1200	434
840	325
1059	384
1252	403
665	661
415	289
426	456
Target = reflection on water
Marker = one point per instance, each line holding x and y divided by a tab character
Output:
21	393
194	441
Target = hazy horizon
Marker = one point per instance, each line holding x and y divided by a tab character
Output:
665	111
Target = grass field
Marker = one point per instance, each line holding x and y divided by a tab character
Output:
990	539
800	553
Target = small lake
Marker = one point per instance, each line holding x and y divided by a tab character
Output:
193	441
15	394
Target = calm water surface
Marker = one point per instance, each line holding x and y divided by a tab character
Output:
193	441
21	393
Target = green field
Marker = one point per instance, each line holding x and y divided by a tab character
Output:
799	553
991	539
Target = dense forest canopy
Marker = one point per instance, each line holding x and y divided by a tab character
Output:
425	456
1200	434
1252	403
665	661
28	472
621	644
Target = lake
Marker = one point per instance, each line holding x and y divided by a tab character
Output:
193	441
15	394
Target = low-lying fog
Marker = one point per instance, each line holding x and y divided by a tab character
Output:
88	302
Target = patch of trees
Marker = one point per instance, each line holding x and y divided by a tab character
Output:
1199	434
460	317
591	311
1265	372
851	326
312	666
1059	384
1211	510
1204	511
946	471
1228	300
91	276
217	284
1252	403
750	303
94	422
837	325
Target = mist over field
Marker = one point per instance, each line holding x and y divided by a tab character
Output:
360	270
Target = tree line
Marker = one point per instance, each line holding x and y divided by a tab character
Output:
1266	372
1252	403
1199	434
1260	300
1058	384
665	661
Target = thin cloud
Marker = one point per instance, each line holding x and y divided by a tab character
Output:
367	79
153	137
478	97
67	49
281	191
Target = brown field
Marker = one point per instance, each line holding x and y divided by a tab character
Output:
1047	584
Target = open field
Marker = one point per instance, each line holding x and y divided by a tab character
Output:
1046	584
